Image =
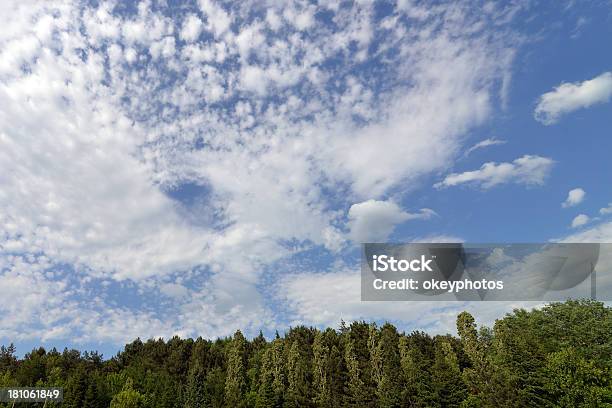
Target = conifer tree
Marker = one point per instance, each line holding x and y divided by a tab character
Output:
446	376
273	376
385	360
417	391
235	381
298	375
327	369
195	395
478	376
322	372
128	397
359	381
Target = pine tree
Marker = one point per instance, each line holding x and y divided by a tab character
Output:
385	360
76	388
235	381
478	376
446	376
322	372
92	398
128	397
298	375
195	395
359	382
265	392
273	376
417	391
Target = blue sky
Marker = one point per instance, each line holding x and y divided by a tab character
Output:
199	167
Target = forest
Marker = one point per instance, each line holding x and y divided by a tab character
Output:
559	355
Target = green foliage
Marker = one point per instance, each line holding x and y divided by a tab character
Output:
128	397
235	382
574	381
385	360
415	359
556	356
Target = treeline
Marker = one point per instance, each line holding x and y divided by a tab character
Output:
558	356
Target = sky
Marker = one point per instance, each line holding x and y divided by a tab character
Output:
194	168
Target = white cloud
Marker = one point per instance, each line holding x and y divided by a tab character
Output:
598	233
324	299
569	97
218	19
484	143
528	170
580	220
606	210
192	27
95	141
374	221
174	290
574	197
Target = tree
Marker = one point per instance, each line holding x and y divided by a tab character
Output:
573	381
446	376
128	397
328	369
385	360
93	397
360	388
415	363
298	375
478	375
273	376
235	382
195	396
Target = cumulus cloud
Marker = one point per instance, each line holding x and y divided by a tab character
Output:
569	97
527	170
580	220
606	210
574	197
374	221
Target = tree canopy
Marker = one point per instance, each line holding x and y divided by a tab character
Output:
557	356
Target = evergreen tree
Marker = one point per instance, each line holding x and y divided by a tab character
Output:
385	360
214	388
415	366
235	381
327	377
321	372
195	396
93	397
128	397
273	376
76	387
446	376
480	372
298	375
360	389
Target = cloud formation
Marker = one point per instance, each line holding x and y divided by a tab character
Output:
484	143
574	197
569	97
527	170
374	221
279	123
580	220
606	210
